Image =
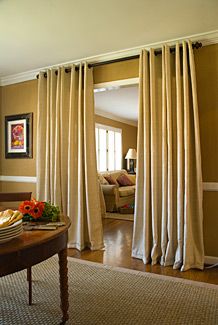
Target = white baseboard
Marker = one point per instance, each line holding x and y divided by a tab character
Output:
210	260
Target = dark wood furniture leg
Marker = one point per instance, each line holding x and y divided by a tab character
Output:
29	279
63	284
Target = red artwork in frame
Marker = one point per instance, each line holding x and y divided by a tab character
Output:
18	136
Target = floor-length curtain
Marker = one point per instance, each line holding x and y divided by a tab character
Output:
66	157
168	220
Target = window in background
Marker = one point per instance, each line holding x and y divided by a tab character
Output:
108	147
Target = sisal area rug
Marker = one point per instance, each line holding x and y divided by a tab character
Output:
105	295
119	216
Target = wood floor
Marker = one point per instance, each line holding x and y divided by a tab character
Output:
117	252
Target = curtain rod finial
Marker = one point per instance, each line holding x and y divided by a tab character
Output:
197	45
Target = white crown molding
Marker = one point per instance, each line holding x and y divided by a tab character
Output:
115	117
206	38
19	77
18	179
210	187
209	41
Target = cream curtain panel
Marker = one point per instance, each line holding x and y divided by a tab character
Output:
168	221
66	157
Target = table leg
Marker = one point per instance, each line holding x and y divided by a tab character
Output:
63	284
29	279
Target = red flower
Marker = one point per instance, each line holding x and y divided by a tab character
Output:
32	208
26	206
37	210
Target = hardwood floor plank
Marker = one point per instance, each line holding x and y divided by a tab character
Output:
117	252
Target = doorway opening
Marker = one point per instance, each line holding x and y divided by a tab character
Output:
116	123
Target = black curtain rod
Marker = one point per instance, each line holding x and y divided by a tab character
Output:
195	45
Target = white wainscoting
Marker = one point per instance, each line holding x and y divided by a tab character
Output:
32	179
18	179
210	187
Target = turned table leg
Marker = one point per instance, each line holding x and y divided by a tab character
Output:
63	284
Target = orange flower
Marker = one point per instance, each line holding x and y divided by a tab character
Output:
25	207
37	210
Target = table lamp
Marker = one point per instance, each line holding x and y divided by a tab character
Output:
131	155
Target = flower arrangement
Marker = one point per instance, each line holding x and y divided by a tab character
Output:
39	211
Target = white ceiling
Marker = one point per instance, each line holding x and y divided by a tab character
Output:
38	33
119	104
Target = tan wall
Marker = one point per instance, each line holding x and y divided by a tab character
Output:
129	134
18	187
21	98
206	60
210	206
1	144
116	71
16	99
1	139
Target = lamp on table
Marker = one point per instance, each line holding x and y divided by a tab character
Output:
131	156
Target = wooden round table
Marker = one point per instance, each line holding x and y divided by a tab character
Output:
33	247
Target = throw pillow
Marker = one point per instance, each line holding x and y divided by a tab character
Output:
123	180
102	180
111	180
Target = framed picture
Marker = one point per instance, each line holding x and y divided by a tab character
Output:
18	136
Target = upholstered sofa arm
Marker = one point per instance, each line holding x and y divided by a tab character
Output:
109	189
111	196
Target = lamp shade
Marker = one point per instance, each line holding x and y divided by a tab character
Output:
131	154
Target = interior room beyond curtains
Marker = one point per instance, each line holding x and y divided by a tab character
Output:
168	221
66	164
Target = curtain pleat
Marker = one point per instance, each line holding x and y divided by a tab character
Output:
143	189
168	220
57	140
91	184
48	144
66	159
42	151
180	163
154	162
164	235
193	214
51	104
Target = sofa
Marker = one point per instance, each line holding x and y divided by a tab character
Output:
116	194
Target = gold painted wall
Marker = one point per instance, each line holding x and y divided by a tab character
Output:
116	71
17	99
129	134
206	60
1	144
1	139
21	98
18	187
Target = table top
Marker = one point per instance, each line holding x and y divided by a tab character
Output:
33	238
32	247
